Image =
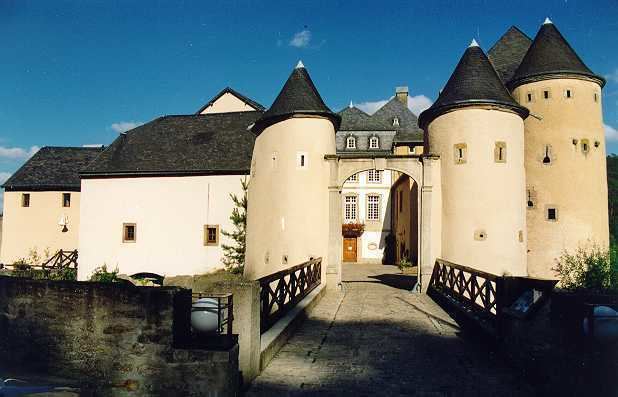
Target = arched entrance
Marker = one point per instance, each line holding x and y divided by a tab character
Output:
422	171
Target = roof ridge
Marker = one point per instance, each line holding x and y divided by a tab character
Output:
228	89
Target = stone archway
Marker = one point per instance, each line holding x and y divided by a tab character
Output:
424	170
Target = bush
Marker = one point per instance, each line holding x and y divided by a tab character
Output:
404	263
102	275
594	269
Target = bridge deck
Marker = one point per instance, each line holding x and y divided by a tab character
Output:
377	338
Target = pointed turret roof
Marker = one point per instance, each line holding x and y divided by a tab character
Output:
474	82
507	53
297	97
550	55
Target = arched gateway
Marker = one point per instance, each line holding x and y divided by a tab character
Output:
424	170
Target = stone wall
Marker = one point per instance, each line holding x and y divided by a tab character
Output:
112	339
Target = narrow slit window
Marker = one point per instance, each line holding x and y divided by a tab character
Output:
596	97
66	199
500	152
25	200
129	232
546	94
568	93
585	146
530	96
211	235
302	160
547	155
530	194
460	153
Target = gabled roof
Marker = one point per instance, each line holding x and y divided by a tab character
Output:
407	130
474	82
229	90
354	119
217	143
297	97
550	55
507	53
52	168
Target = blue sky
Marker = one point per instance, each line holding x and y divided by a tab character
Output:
77	72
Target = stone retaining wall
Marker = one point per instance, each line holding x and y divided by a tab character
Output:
112	339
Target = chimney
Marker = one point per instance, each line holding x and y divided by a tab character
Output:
402	95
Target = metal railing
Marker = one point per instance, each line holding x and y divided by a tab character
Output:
211	305
281	291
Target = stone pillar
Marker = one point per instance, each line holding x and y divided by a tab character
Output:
430	225
335	240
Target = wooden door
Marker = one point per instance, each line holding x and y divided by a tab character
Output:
349	249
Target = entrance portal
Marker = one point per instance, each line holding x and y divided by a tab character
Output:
349	249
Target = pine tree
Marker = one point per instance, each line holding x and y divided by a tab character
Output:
234	254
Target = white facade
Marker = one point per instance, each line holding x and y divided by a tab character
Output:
372	243
169	214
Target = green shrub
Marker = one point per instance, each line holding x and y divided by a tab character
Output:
102	275
594	269
404	263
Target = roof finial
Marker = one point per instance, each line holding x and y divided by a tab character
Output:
473	43
300	65
548	21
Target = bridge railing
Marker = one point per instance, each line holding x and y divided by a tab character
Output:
281	291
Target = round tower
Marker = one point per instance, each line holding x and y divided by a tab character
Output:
565	160
288	208
477	129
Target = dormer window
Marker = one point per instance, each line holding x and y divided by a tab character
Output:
374	142
396	122
350	143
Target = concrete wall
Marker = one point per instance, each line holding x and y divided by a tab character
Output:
169	213
481	195
573	182
288	213
405	219
227	103
36	226
114	340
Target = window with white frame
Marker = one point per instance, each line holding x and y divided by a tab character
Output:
350	142
374	176
350	208
374	142
353	178
373	207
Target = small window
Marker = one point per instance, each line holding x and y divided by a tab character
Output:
373	207
350	208
531	195
374	176
552	213
374	142
284	259
480	235
353	178
500	152
302	160
25	200
129	232
66	199
546	94
596	97
396	122
211	235
460	153
585	146
547	155
568	93
530	96
350	143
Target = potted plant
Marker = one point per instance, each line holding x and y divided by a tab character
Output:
352	230
406	266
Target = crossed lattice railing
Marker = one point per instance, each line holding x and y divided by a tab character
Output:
60	260
281	291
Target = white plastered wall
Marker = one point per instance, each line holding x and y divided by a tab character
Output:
227	103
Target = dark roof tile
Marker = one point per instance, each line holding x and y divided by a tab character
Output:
407	130
507	53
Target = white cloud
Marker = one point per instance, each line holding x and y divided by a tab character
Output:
301	39
612	76
93	145
611	134
3	177
123	126
416	104
17	153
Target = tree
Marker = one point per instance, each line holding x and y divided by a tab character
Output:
612	187
234	254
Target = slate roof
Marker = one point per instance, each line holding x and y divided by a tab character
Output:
549	55
354	119
408	130
474	82
52	168
507	53
298	96
218	143
229	90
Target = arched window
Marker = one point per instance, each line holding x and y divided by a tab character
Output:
374	142
396	122
350	143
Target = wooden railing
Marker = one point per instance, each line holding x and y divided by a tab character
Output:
477	294
60	260
281	291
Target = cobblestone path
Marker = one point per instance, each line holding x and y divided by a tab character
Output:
377	338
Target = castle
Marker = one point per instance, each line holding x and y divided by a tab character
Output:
509	172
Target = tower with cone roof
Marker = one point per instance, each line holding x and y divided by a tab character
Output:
288	207
566	196
477	129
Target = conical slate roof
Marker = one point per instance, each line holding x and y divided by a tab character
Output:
550	55
506	55
474	82
297	97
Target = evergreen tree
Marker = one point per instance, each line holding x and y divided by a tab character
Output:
612	187
234	254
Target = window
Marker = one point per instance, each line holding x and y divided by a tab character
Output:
350	143
129	232
374	142
373	207
350	208
374	176
211	235
585	146
531	197
25	200
547	155
596	97
568	93
460	153
66	199
546	94
530	96
552	213
500	152
396	122
302	160
353	178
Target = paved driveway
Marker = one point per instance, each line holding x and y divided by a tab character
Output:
377	338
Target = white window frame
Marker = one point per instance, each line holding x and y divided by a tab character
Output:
353	179
373	214
350	142
371	176
374	142
302	160
350	208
